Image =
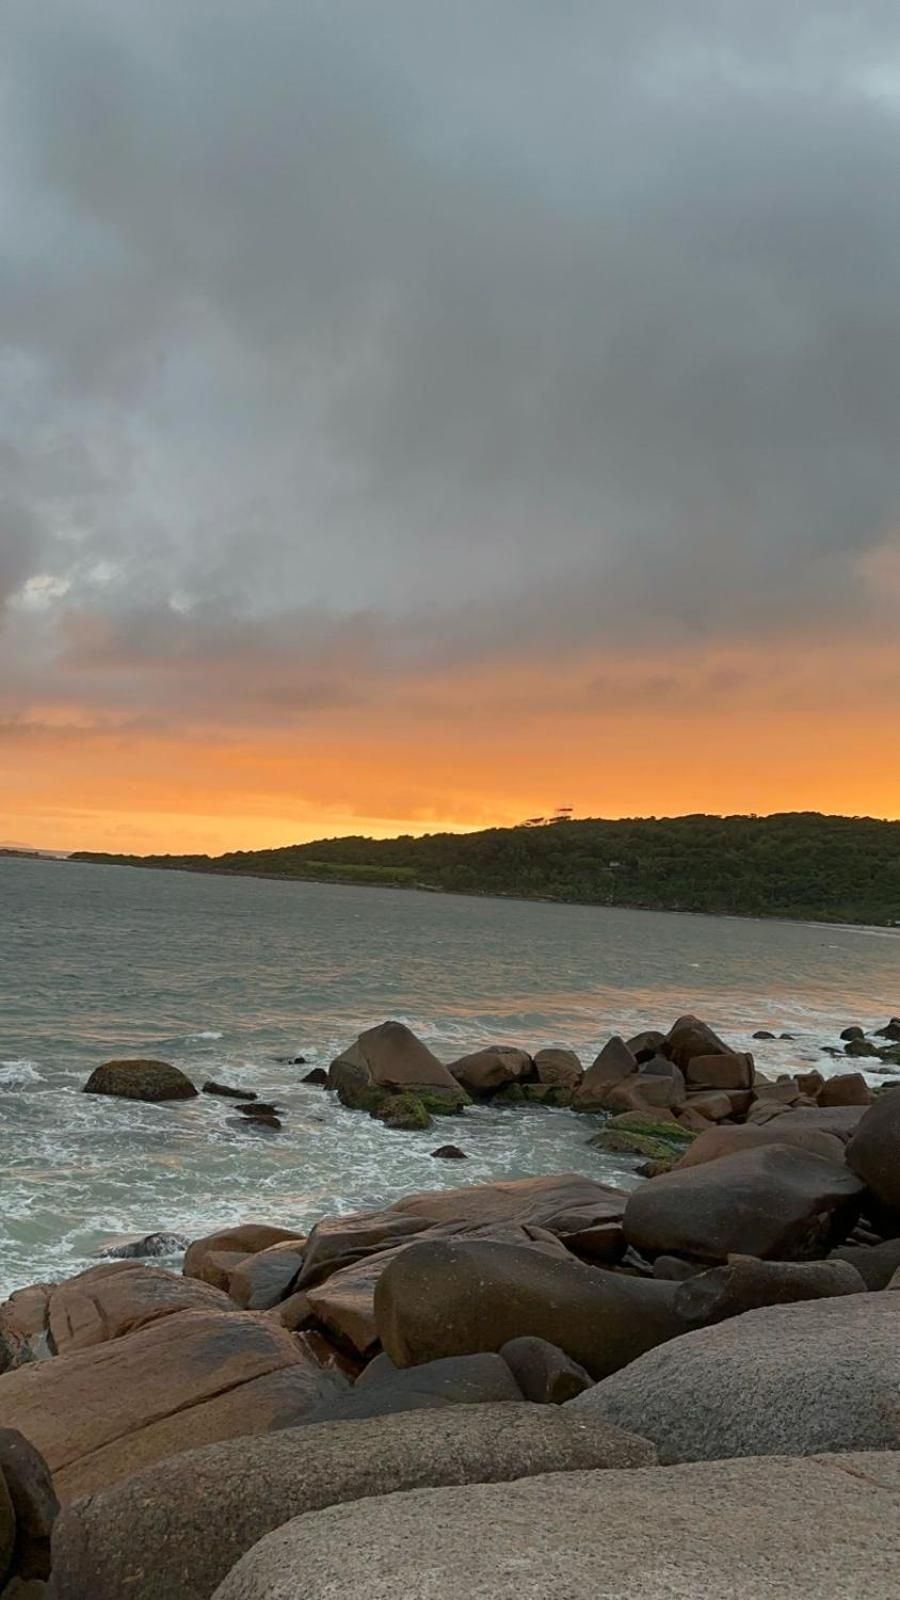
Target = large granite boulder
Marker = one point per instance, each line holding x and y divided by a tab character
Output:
688	1038
140	1080
115	1299
485	1071
390	1057
614	1063
559	1069
874	1150
787	1380
345	1300
188	1379
725	1070
769	1201
845	1089
176	1536
739	1530
244	1239
447	1297
842	1121
718	1142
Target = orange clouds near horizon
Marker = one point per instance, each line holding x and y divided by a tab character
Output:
725	731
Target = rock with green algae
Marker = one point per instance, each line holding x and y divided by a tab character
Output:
404	1111
140	1080
633	1133
542	1094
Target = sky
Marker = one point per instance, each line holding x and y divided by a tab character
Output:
425	415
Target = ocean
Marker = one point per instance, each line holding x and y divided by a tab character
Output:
233	979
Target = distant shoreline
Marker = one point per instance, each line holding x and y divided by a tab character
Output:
325	881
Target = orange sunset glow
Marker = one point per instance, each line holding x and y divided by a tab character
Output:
394	446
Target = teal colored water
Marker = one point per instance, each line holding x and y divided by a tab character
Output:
228	977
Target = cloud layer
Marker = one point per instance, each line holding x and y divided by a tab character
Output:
444	373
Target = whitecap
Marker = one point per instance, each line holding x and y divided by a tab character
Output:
209	1033
19	1071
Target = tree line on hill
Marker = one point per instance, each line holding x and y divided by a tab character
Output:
798	864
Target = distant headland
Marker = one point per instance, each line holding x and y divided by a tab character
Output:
799	865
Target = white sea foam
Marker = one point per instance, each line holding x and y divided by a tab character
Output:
19	1071
208	1033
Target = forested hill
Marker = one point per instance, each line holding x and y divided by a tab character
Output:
839	869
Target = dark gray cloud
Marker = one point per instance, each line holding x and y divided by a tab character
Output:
343	338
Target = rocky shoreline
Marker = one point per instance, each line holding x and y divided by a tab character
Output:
639	1394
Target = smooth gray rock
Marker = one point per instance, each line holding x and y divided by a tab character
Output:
874	1150
875	1263
27	1478
543	1372
788	1380
174	1534
383	1389
745	1284
734	1530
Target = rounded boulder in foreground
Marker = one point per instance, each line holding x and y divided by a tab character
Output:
140	1080
874	1150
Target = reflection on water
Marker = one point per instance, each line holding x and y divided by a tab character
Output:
224	977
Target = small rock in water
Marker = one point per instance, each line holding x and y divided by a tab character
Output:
148	1244
259	1120
318	1076
298	1061
450	1152
259	1108
763	1033
788	1036
232	1094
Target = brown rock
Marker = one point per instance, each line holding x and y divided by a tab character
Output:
646	1044
115	1299
33	1497
260	1281
485	1071
846	1089
391	1057
294	1312
746	1284
771	1201
874	1150
140	1080
458	1297
689	1037
562	1204
646	1091
730	1070
614	1063
875	1263
560	1069
718	1142
7	1530
763	1111
217	1266
809	1083
543	1372
715	1107
25	1326
188	1379
243	1240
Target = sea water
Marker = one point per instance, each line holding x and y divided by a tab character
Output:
232	979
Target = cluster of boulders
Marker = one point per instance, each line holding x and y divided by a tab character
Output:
681	1080
609	1369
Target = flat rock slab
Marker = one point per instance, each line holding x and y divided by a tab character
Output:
175	1536
188	1379
788	1380
736	1530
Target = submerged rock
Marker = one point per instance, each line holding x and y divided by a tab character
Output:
140	1080
231	1094
449	1152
